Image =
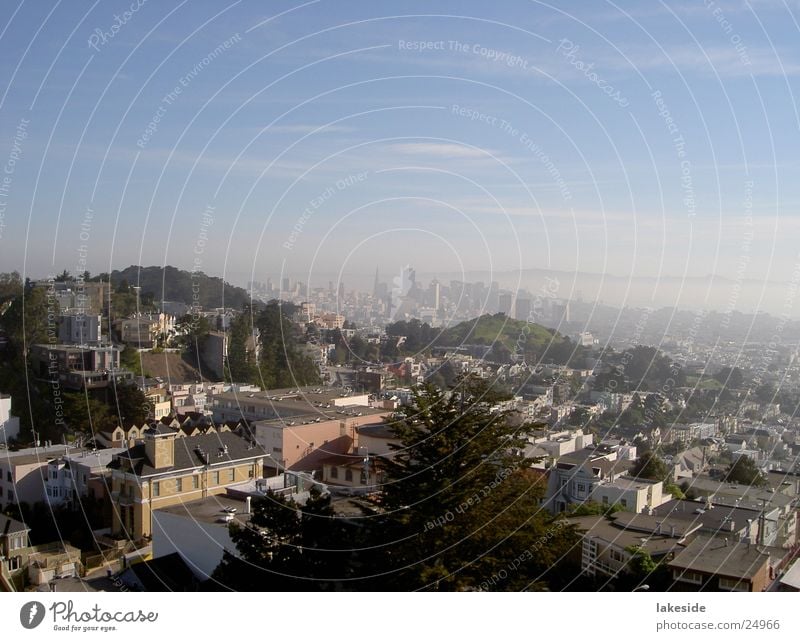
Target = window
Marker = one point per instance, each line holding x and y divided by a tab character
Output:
348	475
334	472
250	473
179	485
195	482
733	584
215	478
13	563
605	500
616	556
231	474
156	488
8	476
688	577
581	487
623	503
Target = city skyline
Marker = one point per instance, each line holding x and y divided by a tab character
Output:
633	141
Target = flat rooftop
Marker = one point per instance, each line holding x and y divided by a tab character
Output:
618	535
309	403
630	483
31	455
209	510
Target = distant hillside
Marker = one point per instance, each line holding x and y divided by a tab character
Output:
509	336
491	328
171	283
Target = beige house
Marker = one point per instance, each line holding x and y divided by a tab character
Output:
631	494
163	470
23	473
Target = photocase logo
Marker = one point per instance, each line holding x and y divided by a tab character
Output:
31	614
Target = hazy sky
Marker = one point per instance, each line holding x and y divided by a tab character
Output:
635	138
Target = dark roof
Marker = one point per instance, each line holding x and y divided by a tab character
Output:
160	429
168	573
188	453
377	430
733	559
718	518
11	526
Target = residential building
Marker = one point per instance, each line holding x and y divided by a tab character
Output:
76	327
377	439
78	367
776	509
14	547
71	477
9	425
144	331
163	470
331	321
299	427
159	402
574	477
632	494
302	443
687	434
608	546
355	471
199	530
714	564
23	474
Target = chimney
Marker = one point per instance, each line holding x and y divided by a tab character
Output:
159	447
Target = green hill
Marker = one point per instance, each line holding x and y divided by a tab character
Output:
509	336
171	283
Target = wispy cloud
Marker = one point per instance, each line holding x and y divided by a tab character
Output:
440	150
306	129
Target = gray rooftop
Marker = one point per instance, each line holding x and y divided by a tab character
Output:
716	556
222	449
209	510
11	526
617	534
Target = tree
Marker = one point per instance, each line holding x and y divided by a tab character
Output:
284	361
650	466
26	320
241	360
83	413
459	504
287	547
730	377
458	511
743	470
10	286
192	332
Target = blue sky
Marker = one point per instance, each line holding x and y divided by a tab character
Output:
520	135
